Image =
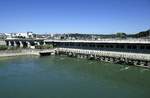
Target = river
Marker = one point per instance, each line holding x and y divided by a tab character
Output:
64	77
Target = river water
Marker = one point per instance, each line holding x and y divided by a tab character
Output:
64	77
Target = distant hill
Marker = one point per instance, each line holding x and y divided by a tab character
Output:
119	35
143	34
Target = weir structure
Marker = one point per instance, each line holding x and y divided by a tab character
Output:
24	43
128	51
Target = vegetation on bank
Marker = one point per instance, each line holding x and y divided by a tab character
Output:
43	46
3	47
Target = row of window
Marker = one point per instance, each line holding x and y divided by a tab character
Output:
107	46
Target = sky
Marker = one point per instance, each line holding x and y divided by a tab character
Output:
80	16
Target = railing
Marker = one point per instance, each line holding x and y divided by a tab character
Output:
129	40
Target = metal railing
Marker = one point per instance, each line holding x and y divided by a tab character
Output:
129	40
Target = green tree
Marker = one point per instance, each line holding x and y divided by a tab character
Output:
121	35
3	47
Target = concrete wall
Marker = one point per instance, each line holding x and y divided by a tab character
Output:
7	53
140	59
2	43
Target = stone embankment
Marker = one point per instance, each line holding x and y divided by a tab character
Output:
19	52
137	59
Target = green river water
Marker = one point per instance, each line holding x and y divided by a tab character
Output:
64	77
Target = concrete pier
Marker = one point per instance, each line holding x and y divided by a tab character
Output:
141	60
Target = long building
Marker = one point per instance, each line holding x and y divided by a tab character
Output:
128	51
129	45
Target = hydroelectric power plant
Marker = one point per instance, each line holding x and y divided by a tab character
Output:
126	51
74	48
66	75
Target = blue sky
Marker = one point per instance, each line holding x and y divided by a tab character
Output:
85	16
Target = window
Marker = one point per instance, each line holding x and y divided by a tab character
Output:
129	47
111	46
134	47
142	47
147	47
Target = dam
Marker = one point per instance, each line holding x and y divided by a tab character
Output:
123	51
128	51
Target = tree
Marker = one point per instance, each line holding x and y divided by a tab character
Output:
121	35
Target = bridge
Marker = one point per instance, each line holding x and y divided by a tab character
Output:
16	42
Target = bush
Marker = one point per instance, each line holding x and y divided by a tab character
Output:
13	48
43	46
48	46
3	47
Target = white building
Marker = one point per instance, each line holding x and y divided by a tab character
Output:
8	35
19	35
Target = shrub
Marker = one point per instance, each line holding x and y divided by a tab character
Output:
3	47
13	48
43	46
